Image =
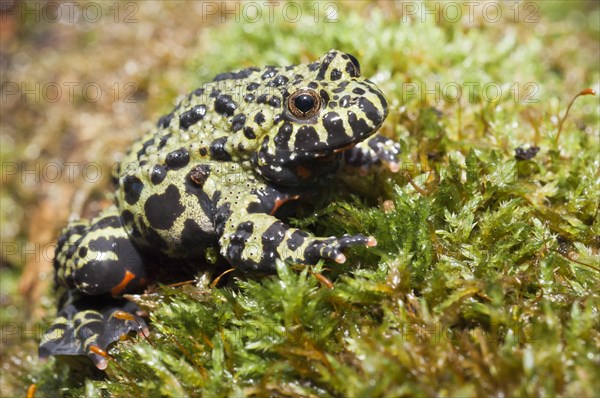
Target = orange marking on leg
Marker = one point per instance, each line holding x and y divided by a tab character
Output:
124	316
102	363
303	172
280	202
97	350
115	291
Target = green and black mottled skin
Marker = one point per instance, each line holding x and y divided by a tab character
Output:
212	175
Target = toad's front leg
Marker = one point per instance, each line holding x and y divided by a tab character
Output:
375	151
252	240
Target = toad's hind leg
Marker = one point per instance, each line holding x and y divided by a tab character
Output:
84	326
95	263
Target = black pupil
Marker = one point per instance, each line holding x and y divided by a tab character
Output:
304	102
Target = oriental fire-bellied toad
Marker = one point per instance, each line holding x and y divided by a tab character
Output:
212	174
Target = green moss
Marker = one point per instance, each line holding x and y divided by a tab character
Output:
485	278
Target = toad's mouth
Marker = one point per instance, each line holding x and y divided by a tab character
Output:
345	148
331	153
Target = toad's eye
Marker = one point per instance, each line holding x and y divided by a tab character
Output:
304	103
